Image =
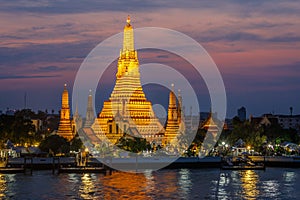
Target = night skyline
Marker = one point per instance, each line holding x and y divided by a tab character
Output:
254	44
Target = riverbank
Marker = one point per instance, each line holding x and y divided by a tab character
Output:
39	163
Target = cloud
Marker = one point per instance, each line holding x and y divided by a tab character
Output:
245	8
51	68
3	77
230	37
44	53
286	38
76	6
36	28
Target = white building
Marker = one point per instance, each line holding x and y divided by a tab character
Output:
289	121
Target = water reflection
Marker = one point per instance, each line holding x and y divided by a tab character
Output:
166	184
88	186
150	182
249	180
273	183
222	184
271	188
184	182
289	176
241	184
3	186
126	185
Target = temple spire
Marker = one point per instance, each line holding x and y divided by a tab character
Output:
65	129
65	98
128	61
89	111
172	100
128	42
172	127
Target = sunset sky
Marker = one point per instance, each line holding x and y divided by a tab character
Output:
255	44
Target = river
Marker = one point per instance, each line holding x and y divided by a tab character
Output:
273	183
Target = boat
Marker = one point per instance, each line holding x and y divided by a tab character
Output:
6	169
241	163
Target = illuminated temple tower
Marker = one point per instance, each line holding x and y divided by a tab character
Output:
175	117
89	119
65	128
128	110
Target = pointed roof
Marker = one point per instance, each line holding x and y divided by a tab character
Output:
265	121
209	122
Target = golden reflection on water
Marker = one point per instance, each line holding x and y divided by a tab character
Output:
249	180
122	185
168	183
2	186
88	186
5	180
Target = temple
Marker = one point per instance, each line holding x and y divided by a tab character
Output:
174	119
89	118
127	110
65	127
211	126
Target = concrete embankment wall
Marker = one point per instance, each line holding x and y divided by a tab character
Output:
277	161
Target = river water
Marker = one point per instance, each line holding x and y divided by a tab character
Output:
274	183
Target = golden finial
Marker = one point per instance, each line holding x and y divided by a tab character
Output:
128	19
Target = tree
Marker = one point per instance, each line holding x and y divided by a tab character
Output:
250	133
133	144
18	128
56	144
76	144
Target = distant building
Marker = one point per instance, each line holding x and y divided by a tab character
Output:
289	121
210	125
241	113
285	121
265	120
38	123
228	124
192	121
10	112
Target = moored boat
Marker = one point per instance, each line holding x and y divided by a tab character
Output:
241	163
